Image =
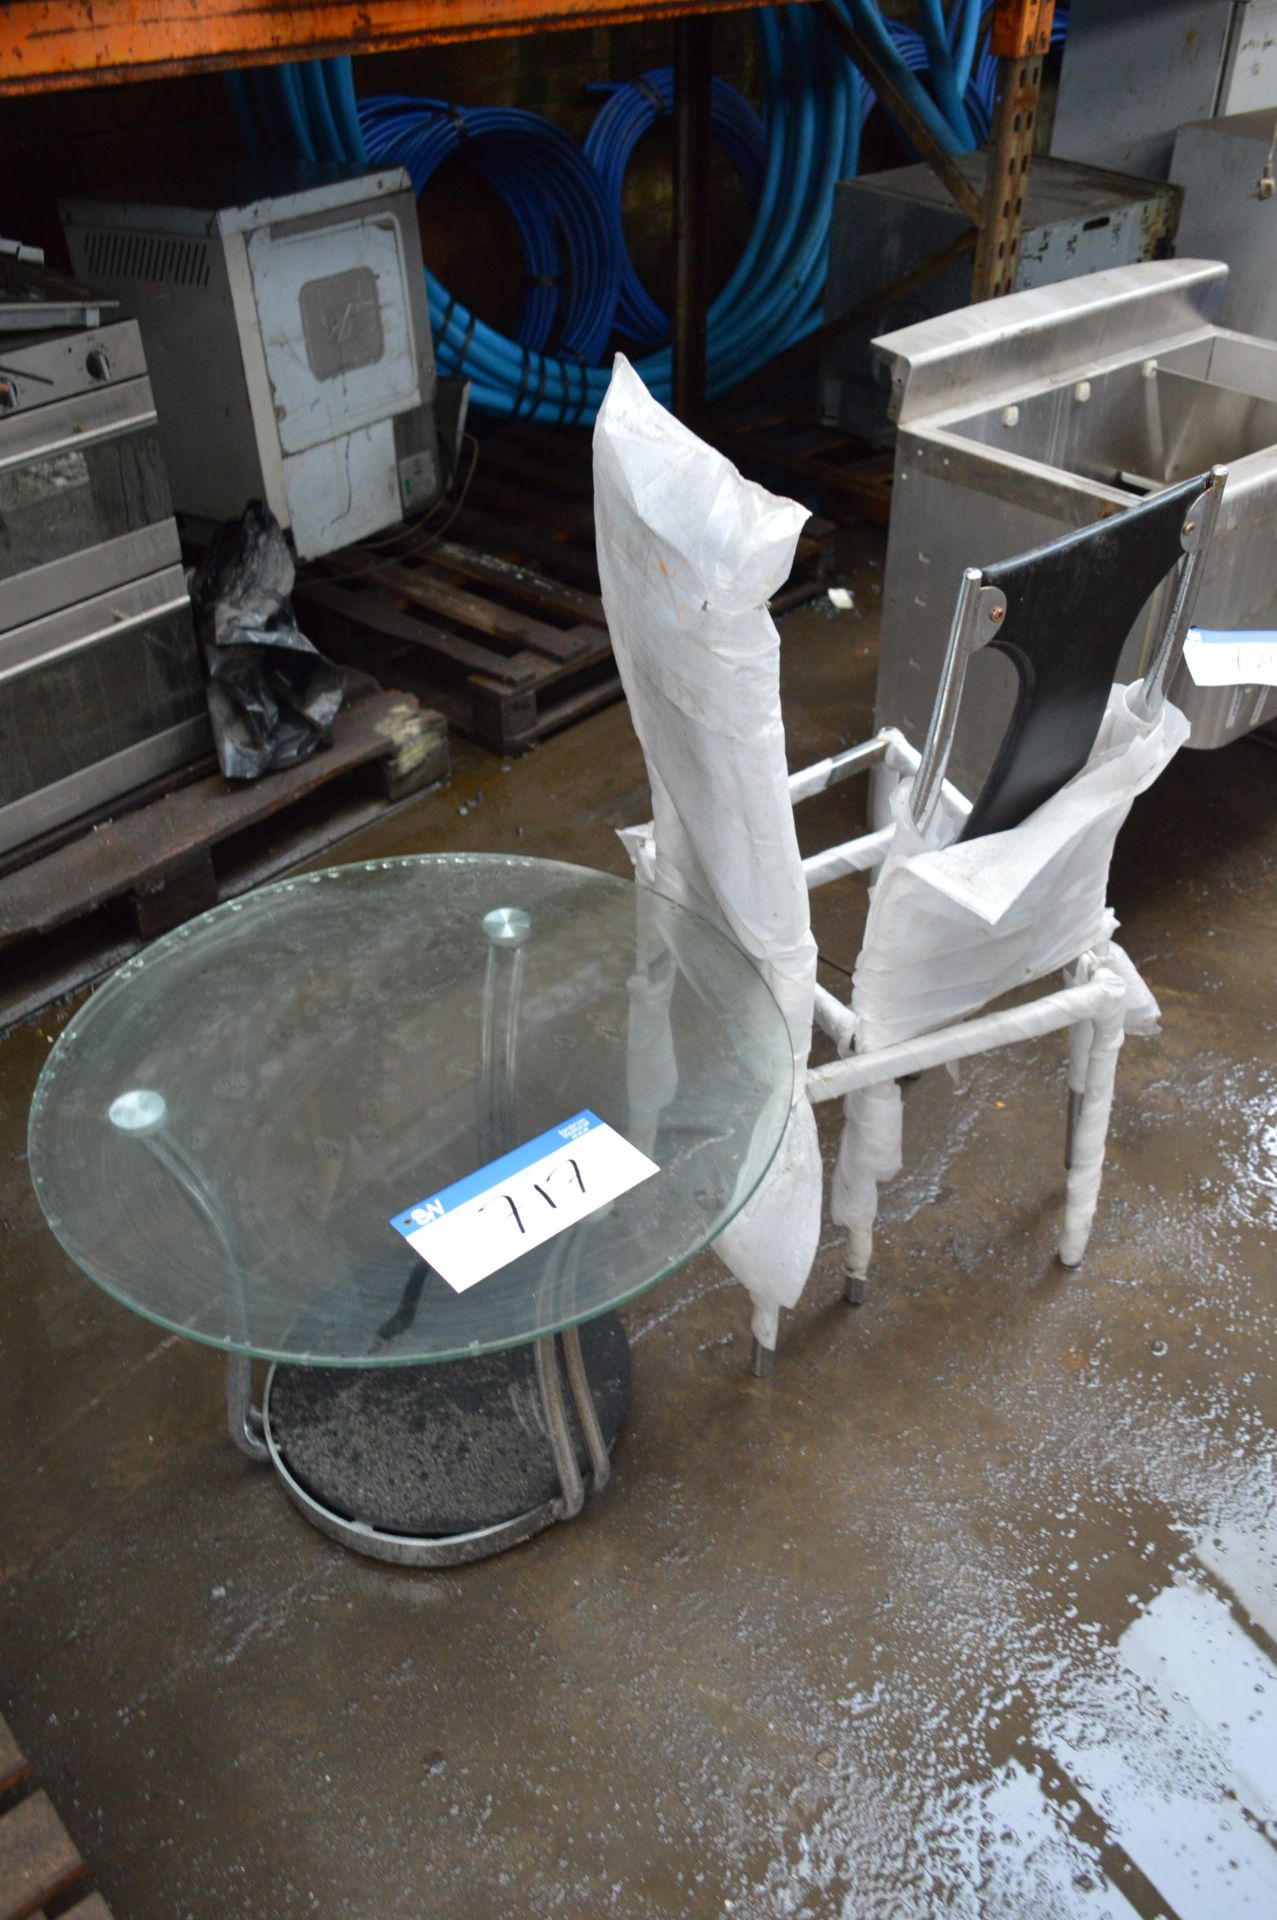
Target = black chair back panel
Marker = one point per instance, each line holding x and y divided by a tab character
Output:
1070	607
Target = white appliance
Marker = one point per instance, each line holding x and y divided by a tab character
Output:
288	342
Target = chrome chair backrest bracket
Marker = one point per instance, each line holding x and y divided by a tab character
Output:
982	615
977	619
1195	538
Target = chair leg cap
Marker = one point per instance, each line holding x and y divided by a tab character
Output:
761	1360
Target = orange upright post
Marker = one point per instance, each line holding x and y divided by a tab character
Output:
1020	37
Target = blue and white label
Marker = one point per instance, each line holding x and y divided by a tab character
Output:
480	1224
1245	658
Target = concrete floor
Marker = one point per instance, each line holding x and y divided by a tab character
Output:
969	1609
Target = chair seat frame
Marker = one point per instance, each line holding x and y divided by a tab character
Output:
1091	1003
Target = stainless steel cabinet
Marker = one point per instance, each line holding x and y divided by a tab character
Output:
1023	417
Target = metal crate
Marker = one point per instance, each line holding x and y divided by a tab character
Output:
1077	220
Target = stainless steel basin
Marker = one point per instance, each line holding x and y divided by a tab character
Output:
1026	416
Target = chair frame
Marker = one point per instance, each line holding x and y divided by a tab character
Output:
1091	1002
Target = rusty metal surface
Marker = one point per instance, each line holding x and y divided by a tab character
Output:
1021	27
46	45
1015	113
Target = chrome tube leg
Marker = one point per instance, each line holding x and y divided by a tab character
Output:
856	1259
508	1094
243	1419
761	1359
586	1412
1071	1126
1196	537
507	930
487	1045
976	619
559	1428
143	1113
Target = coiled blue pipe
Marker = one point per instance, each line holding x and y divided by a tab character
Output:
773	296
864	16
979	76
555	198
629	112
942	65
814	111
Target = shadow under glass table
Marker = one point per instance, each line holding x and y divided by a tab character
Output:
223	1134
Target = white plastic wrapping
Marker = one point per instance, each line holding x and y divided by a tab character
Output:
952	927
1090	1135
689	553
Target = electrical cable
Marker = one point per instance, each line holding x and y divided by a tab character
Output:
395	544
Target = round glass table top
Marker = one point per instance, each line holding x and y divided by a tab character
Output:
224	1133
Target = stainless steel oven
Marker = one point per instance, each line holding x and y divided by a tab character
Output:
101	687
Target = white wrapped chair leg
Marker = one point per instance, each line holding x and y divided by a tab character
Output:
1091	1133
1079	1054
868	1153
765	1329
859	1252
857	1214
689	555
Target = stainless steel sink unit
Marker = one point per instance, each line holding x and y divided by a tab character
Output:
1076	220
1049	409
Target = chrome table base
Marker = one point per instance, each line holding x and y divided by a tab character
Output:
367	1456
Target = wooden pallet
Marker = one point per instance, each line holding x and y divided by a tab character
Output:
91	902
550	473
506	664
774	443
39	1863
500	613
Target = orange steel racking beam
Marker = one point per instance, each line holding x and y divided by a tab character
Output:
49	45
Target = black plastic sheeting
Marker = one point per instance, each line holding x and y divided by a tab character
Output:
272	697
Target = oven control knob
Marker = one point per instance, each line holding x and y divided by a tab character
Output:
96	364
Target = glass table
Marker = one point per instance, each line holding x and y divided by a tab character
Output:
224	1134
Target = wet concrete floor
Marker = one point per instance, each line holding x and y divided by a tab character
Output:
970	1609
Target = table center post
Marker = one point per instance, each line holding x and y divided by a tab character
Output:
507	930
